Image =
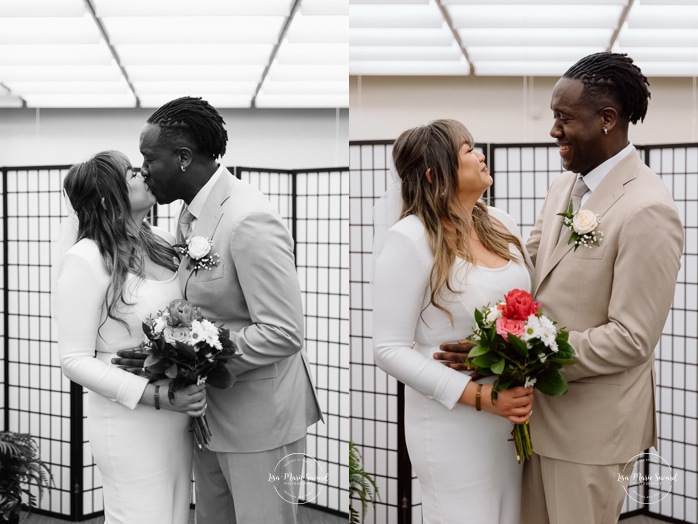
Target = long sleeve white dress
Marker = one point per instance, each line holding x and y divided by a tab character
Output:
465	464
144	455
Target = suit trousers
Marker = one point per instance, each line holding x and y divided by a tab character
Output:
560	492
236	488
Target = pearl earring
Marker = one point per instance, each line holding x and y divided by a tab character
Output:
182	168
605	132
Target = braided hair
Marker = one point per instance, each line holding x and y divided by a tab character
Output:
194	119
614	76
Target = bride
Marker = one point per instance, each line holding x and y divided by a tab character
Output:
118	272
448	255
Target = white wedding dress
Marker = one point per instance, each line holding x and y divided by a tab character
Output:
143	455
465	464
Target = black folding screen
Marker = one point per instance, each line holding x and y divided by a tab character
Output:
37	399
522	174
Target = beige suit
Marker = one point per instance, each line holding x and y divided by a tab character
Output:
254	291
614	299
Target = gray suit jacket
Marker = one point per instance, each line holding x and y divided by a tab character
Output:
614	299
254	292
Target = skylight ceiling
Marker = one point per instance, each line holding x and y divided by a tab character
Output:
519	38
136	53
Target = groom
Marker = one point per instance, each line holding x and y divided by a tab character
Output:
253	291
614	298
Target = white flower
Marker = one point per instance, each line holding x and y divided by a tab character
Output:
493	313
210	332
198	333
585	221
533	329
543	357
160	324
549	340
547	327
198	247
530	382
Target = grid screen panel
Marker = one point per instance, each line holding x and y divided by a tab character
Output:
322	258
39	396
677	355
374	394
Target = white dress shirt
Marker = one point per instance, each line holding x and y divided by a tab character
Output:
594	177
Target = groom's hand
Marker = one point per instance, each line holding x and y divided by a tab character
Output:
453	355
130	360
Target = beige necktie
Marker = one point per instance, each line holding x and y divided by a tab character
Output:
578	191
184	229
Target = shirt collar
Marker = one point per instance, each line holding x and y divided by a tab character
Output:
594	177
196	206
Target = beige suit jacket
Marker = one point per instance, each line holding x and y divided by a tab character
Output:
254	291
614	299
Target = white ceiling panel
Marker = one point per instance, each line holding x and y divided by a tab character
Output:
311	65
519	37
130	53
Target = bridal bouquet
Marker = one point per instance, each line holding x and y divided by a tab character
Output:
516	343
182	345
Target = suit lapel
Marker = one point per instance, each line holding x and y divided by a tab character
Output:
600	202
207	223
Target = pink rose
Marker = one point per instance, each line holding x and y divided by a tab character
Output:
182	313
508	325
519	305
176	334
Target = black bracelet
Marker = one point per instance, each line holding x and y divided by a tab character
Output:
156	397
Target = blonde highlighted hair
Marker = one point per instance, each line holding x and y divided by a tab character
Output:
435	147
99	193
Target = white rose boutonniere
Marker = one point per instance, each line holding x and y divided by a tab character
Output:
584	226
198	249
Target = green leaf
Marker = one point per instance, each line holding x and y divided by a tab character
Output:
518	344
186	350
551	382
171	372
477	351
564	350
498	367
491	334
485	361
220	377
503	384
479	318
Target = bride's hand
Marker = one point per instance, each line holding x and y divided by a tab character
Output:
190	400
515	404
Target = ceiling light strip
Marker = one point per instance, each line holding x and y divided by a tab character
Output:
621	21
105	35
455	34
282	34
3	86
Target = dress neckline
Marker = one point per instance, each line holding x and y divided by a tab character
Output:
166	281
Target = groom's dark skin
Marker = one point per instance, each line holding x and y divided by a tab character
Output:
454	354
168	184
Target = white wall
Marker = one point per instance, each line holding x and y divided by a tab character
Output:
264	138
503	109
